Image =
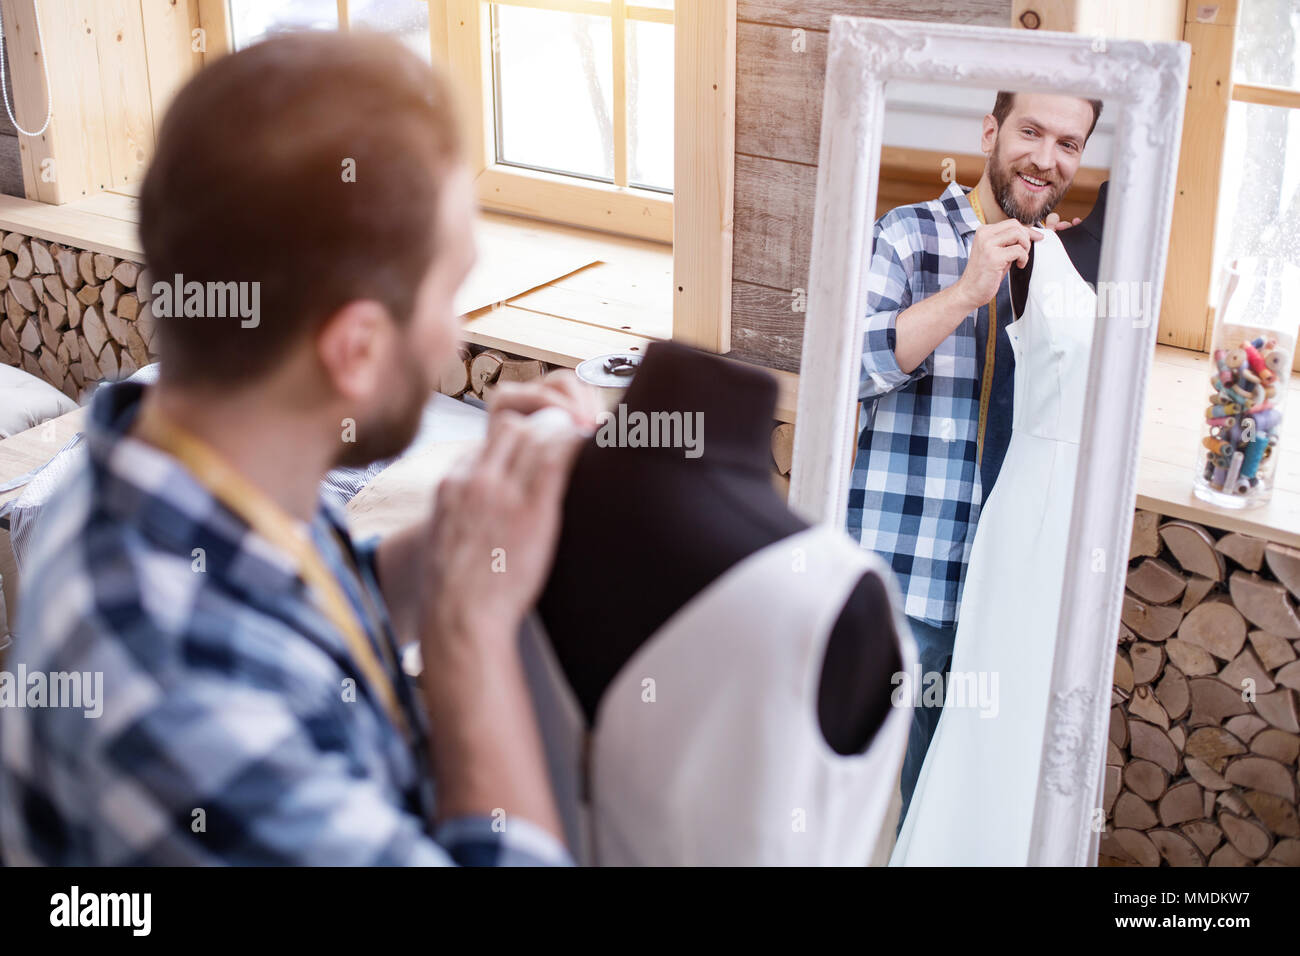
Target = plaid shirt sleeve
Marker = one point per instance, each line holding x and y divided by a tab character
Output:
274	792
889	292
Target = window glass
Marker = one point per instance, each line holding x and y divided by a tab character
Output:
553	74
407	19
650	104
253	20
1267	31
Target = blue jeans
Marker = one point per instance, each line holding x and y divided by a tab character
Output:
934	654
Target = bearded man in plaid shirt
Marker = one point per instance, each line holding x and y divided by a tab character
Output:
937	369
258	706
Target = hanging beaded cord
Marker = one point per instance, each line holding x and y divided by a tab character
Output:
4	85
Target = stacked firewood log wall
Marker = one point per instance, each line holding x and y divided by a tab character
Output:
1201	766
782	455
475	370
71	317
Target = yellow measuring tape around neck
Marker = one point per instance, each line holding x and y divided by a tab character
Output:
986	385
275	524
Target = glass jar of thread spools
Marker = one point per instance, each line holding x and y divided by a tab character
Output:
1250	366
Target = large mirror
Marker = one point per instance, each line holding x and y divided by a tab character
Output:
988	251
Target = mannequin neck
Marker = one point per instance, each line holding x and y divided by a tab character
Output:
732	403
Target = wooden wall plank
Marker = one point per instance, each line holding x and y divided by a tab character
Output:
77	53
467	32
438	31
779	80
124	88
168	47
214	21
1148	20
1186	314
774	214
765	328
705	118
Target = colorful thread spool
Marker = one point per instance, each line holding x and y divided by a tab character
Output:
1234	469
1254	454
1223	393
1225	373
1217	446
1266	419
1253	358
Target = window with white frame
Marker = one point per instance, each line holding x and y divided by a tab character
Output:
571	101
1259	192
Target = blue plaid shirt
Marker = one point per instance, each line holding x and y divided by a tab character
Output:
915	491
225	734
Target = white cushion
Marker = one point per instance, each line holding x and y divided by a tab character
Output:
26	401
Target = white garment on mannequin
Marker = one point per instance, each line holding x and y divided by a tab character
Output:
706	748
974	798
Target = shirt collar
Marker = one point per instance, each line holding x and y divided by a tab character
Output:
959	208
144	485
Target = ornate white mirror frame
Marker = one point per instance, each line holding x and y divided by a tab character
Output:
1144	84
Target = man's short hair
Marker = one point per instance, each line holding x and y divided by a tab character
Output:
311	164
1002	106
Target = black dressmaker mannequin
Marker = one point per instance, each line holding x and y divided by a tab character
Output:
1082	244
646	529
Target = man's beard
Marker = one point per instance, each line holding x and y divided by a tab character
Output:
1002	179
388	436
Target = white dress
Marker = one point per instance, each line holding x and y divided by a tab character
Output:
974	799
706	748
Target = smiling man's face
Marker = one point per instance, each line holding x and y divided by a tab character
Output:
1035	153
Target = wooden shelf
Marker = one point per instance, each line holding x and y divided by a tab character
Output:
100	226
